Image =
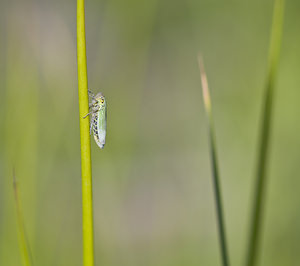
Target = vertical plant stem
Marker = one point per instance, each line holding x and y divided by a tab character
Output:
215	169
23	240
259	193
85	142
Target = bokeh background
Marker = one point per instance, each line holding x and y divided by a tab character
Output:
153	196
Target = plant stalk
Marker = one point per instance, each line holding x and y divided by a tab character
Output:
23	240
214	161
263	153
85	142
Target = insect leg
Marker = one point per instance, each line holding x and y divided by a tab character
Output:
91	94
87	114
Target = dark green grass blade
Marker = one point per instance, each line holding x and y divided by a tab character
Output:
259	193
215	169
23	240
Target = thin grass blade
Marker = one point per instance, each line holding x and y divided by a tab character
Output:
214	162
23	240
264	142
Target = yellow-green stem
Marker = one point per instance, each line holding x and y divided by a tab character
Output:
261	175
85	142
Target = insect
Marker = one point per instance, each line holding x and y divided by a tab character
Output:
98	114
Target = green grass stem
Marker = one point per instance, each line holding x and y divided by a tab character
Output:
259	193
85	142
214	161
23	240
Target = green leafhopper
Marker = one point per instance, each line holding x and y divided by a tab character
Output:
98	112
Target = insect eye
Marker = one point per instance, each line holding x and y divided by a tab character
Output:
101	100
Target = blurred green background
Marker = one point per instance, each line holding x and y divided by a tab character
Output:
153	196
